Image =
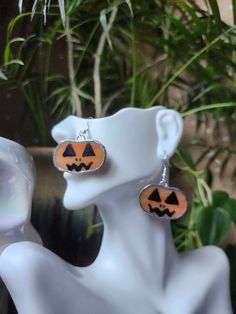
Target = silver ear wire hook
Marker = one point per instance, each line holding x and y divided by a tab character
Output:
88	127
83	133
165	172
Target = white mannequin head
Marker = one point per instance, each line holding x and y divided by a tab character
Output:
17	176
134	139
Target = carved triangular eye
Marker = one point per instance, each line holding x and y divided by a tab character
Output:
172	199
155	196
88	151
69	151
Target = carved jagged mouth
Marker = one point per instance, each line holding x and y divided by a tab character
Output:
159	212
79	167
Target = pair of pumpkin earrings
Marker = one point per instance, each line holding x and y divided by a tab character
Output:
87	155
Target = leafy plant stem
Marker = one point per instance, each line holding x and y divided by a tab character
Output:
201	193
75	99
207	191
198	240
181	235
97	63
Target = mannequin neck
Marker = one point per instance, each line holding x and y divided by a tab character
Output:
132	234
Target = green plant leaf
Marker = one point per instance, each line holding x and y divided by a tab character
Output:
220	198
215	10
230	205
103	21
208	107
13	22
73	5
213	225
33	10
210	88
130	7
62	10
7	52
93	228
3	76
186	157
234	11
15	61
16	39
85	95
20	3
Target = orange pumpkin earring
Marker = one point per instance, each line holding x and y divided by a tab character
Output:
163	201
78	155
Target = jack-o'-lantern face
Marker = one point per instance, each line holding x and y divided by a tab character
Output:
163	202
79	156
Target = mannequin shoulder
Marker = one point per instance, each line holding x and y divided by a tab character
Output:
203	276
209	259
26	257
24	250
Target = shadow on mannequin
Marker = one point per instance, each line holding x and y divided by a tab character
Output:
138	269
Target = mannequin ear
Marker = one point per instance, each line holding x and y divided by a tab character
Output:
169	127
